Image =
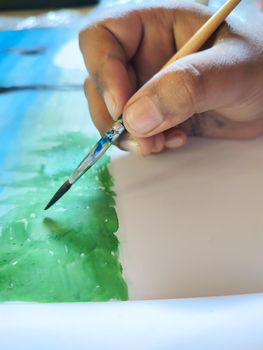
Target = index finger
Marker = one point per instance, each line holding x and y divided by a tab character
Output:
107	47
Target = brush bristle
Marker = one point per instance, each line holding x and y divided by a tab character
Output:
62	190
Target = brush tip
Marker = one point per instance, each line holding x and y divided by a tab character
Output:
61	191
47	206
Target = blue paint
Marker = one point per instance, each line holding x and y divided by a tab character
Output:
31	69
11	118
109	134
101	144
26	70
104	141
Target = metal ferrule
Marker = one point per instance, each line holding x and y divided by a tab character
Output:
98	150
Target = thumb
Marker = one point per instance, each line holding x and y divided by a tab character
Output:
193	84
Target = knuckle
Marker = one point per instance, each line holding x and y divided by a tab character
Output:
95	55
179	91
85	38
192	86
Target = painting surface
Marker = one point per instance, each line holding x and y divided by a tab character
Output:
71	252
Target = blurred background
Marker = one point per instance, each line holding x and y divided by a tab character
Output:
41	4
25	14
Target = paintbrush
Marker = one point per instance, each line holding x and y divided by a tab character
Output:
193	45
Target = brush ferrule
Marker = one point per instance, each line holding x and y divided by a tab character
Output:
98	150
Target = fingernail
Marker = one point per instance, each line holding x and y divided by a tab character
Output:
173	141
143	116
111	105
130	146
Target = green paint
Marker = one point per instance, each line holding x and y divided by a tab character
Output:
69	253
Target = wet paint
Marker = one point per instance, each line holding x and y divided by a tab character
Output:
71	252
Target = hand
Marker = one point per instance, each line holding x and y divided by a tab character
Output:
217	92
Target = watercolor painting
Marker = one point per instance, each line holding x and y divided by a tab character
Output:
70	253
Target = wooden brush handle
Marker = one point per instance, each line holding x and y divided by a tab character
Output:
204	33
